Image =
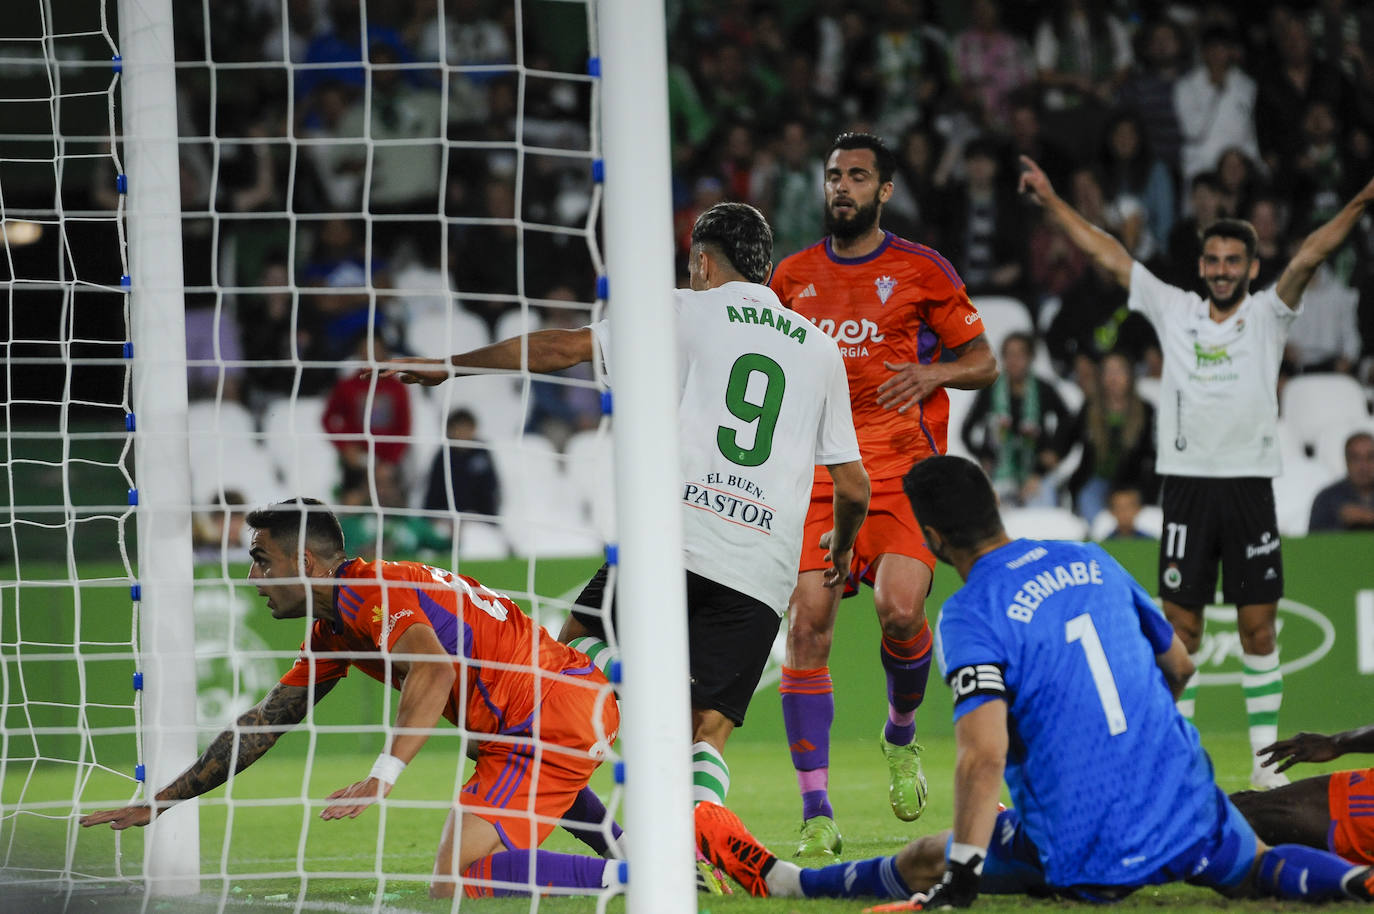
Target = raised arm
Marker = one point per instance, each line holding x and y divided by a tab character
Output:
1318	246
1109	253
548	350
255	731
851	507
427	685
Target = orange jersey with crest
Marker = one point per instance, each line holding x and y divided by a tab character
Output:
902	303
378	601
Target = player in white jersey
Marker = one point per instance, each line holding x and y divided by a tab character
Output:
1217	431
765	399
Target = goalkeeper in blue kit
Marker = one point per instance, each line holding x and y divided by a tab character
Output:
1064	673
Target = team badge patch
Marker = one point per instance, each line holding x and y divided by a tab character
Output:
885	286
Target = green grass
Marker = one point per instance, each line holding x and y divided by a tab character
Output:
264	838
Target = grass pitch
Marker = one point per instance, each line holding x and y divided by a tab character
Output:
254	854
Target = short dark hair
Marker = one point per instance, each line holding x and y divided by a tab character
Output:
1235	229
285	520
953	496
1357	436
461	414
1020	336
1206	179
884	158
741	234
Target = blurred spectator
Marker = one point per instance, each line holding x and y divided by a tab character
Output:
1349	503
1116	429
795	198
1345	38
1325	337
736	165
707	191
1028	139
214	369
799	100
557	411
1130	169
909	68
983	232
1215	102
915	209
1124	503
734	87
486	262
1185	244
277	329
1238	181
1122	215
830	35
340	275
218	533
465	463
368	425
373	527
1320	180
1288	89
1082	52
474	34
1149	88
1270	218
989	63
343	42
1017	428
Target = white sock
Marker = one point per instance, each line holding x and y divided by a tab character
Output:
784	880
710	774
610	874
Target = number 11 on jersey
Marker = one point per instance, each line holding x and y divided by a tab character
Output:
1082	630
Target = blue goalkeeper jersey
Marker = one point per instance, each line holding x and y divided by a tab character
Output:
1108	777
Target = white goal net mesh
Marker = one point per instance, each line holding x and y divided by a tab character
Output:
359	181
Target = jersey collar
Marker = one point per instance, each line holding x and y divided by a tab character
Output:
852	261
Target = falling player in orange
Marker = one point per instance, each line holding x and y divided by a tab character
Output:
453	648
894	307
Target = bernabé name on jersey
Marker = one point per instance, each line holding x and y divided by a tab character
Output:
851	335
709	495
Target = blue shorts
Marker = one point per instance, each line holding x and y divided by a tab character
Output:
1220	859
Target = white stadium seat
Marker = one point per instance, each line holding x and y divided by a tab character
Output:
517	322
1002	315
540	515
301	452
960	402
1294	490
1150	521
1044	524
1331	444
1313	403
591	473
436	333
226	454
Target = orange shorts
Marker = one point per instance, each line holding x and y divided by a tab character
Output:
889	527
1350	797
521	787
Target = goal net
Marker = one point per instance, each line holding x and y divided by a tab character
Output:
301	191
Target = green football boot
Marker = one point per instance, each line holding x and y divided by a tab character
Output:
820	838
906	789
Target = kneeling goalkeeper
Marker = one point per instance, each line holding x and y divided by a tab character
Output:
453	648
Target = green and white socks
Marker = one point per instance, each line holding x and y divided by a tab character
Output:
710	774
597	650
1262	682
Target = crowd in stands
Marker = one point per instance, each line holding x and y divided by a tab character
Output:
1152	118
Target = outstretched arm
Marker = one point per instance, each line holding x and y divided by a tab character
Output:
1318	246
1317	747
425	690
255	731
1109	253
548	350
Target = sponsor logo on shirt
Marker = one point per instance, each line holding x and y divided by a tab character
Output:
1267	544
885	286
1210	356
851	335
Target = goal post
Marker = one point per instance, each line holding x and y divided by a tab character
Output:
653	619
166	648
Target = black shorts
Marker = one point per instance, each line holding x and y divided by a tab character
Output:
729	638
1231	520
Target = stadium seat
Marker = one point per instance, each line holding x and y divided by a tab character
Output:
434	333
481	540
591	472
1044	524
427	433
1148	388
1313	403
1150	521
539	514
960	403
1331	444
300	450
517	322
226	454
492	399
1294	490
1002	315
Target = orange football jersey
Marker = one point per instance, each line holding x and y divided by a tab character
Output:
477	626
902	303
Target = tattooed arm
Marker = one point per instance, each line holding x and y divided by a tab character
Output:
256	730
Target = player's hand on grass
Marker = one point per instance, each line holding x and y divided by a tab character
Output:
840	562
350	801
428	372
119	819
1034	181
1303	747
911	382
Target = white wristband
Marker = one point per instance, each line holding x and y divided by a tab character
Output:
387	768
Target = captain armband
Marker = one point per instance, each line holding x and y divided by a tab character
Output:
979	679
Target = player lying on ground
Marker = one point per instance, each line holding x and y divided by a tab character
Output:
764	401
454	649
1056	641
1335	811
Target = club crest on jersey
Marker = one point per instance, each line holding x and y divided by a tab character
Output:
885	286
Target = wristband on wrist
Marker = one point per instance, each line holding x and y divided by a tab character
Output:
387	768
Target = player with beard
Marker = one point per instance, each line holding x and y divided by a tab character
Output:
894	307
1218	431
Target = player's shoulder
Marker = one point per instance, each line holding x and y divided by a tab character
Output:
923	260
807	256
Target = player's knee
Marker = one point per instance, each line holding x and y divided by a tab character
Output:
808	646
1258	638
922	862
901	621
